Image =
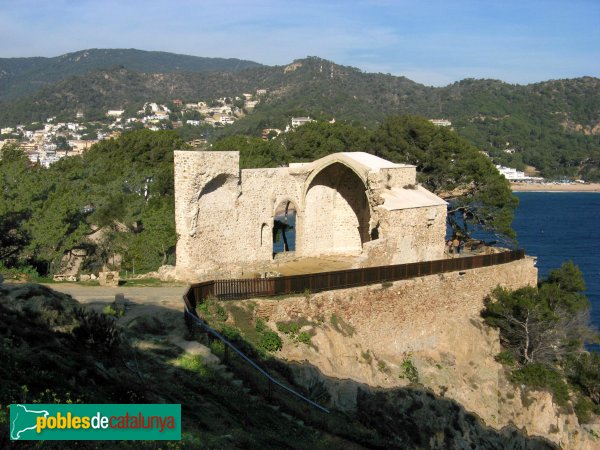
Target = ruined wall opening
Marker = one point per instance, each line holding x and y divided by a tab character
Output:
266	238
284	227
336	212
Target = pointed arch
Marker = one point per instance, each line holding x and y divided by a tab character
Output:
336	210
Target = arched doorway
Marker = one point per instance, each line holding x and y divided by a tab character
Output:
284	227
336	212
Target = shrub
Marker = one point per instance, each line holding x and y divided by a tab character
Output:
230	333
583	371
290	328
221	313
584	407
260	326
114	310
217	347
367	356
25	272
210	310
542	377
382	367
96	331
505	358
270	341
342	327
409	371
304	337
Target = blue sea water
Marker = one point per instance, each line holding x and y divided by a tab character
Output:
560	226
290	234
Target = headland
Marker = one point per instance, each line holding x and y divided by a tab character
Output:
555	187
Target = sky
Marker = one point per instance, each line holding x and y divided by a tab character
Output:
433	42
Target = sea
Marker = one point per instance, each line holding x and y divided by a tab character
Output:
560	226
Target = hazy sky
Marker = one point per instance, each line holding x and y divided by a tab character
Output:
433	42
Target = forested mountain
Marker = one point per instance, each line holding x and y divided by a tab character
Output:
23	76
553	126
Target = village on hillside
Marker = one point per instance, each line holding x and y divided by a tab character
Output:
47	142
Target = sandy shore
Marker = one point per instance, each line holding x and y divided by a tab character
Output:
542	187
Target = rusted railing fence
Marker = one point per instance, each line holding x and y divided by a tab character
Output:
238	289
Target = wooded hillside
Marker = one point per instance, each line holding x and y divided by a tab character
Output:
553	126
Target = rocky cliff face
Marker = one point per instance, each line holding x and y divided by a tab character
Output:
428	332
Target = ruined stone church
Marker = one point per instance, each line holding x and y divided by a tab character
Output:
353	203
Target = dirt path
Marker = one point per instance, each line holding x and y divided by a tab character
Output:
313	265
165	296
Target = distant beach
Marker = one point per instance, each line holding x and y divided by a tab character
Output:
555	187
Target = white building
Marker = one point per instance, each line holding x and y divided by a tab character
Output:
115	112
297	121
510	173
441	122
226	119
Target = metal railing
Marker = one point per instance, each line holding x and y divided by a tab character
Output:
195	320
239	289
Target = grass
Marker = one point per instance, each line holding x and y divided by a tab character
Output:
147	282
193	363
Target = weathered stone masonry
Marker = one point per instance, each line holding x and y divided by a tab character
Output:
346	203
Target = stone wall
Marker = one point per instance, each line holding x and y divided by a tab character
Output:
206	192
426	314
347	203
405	236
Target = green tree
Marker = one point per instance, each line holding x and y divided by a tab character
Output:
544	324
315	140
454	169
123	186
254	152
583	371
61	143
156	242
59	225
23	193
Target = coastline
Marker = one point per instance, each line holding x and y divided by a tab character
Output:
551	187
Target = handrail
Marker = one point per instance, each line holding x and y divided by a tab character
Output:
239	289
